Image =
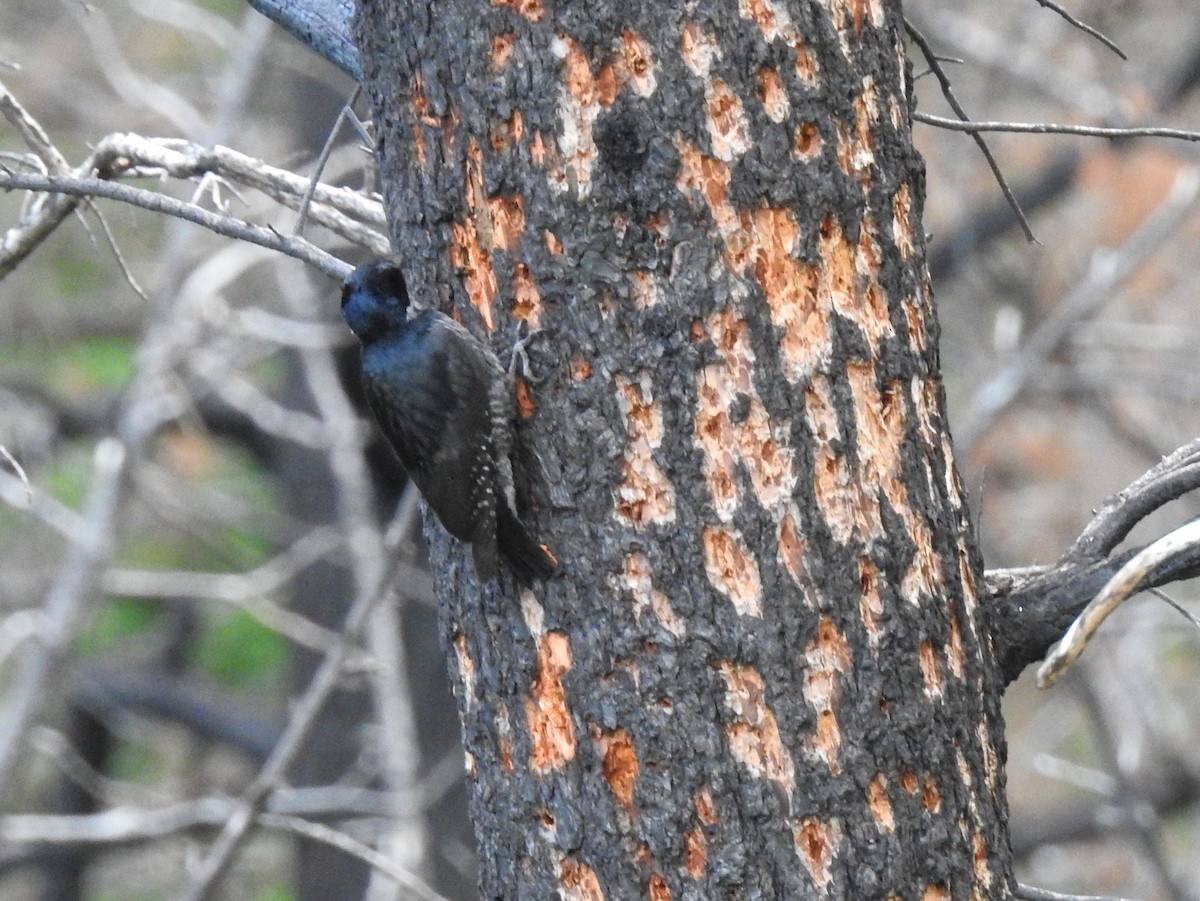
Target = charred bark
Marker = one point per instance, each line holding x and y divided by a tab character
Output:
764	672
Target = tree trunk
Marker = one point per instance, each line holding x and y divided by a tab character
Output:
763	672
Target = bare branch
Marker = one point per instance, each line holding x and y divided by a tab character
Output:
127	824
1121	586
1138	815
323	25
1031	608
111	240
1175	475
368	552
935	67
323	159
1176	606
137	90
127	154
1085	28
417	887
226	226
303	717
243	395
20	240
19	493
285	331
246	590
183	159
1030	893
32	132
1055	128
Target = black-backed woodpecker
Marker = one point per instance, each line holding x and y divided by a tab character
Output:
445	404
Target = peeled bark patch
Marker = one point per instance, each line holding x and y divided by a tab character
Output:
507	215
754	734
527	302
620	765
695	852
931	670
533	10
466	669
470	249
870	605
733	427
578	882
645	495
728	129
579	105
828	656
931	798
817	844
733	571
550	727
648	599
772	95
639	63
881	804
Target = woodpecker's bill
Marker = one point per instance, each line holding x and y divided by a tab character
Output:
445	403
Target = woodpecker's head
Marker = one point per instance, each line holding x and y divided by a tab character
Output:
375	299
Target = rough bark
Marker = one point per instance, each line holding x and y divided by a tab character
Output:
763	672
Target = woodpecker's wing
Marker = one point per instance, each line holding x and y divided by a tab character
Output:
428	386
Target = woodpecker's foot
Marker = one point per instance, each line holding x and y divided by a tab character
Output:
521	356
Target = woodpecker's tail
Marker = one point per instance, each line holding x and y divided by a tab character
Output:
528	559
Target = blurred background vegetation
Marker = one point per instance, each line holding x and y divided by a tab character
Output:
169	697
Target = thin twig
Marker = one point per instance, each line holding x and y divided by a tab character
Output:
948	92
1176	606
136	90
1030	893
16	467
1041	74
18	492
416	887
120	257
126	824
246	590
957	60
1085	28
226	226
341	210
1056	128
242	394
185	159
323	159
32	132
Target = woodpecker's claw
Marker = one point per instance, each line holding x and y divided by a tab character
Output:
520	355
